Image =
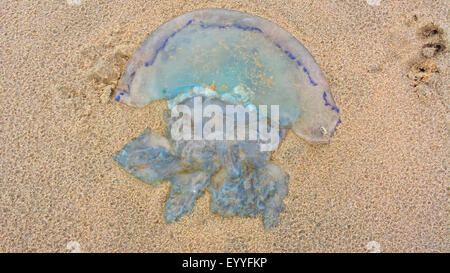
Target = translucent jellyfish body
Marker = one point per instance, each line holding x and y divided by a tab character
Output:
221	58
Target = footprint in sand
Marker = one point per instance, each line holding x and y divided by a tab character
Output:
424	70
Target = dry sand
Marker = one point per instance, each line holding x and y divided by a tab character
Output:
382	184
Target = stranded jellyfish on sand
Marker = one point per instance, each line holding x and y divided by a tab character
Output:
219	58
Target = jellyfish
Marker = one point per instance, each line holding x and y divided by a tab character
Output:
222	59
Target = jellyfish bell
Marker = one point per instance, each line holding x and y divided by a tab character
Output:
233	49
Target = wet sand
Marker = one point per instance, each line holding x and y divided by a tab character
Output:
381	185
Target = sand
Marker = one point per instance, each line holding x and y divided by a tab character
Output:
381	185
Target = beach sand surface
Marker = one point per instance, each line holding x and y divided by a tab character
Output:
382	184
